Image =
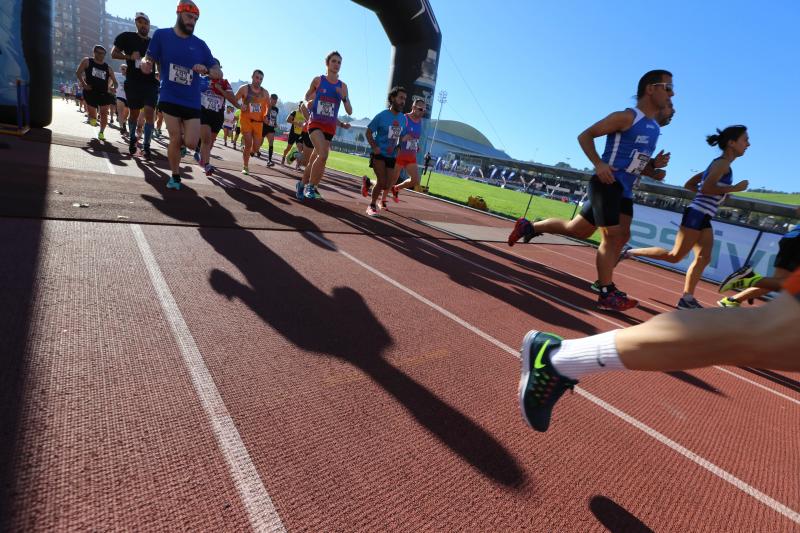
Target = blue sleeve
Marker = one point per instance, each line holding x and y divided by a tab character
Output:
374	124
154	49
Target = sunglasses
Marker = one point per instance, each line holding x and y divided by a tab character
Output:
667	86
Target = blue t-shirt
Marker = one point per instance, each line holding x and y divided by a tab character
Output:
629	151
388	128
176	56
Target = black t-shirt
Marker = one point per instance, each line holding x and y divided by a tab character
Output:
130	42
96	75
272	117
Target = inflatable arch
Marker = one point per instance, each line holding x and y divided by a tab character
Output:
26	52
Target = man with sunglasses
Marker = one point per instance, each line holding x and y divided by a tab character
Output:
94	76
181	57
631	137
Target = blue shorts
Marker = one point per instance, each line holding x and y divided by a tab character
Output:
694	219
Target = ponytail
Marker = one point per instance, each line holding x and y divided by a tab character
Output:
722	138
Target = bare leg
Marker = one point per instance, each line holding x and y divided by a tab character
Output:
684	242
413	177
702	257
103	118
578	227
382	179
322	147
611	243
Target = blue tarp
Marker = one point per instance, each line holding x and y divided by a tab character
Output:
12	59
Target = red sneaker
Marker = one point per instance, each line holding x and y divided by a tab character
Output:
395	193
616	301
365	183
521	228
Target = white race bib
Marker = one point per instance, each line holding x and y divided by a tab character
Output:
325	109
638	162
97	73
211	101
411	145
255	107
394	133
273	119
180	74
137	63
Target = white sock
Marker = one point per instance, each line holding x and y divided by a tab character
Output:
578	357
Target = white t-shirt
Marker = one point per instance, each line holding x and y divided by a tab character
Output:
230	118
121	85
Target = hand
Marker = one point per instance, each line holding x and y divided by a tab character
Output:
742	186
136	56
661	160
659	174
146	68
200	69
215	73
605	173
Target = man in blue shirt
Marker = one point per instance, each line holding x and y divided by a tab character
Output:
181	58
384	135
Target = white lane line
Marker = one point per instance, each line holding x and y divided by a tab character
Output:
700	461
759	385
110	166
260	510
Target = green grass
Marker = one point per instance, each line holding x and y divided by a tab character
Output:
789	199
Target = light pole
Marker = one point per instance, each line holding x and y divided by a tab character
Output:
442	100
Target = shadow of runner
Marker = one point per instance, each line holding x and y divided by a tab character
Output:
616	518
695	381
288	302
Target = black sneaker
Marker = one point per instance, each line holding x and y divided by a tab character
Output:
540	386
685	303
147	153
132	144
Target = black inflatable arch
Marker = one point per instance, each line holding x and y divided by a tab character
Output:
410	25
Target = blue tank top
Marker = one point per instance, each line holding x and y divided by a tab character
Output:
629	151
709	203
325	108
408	149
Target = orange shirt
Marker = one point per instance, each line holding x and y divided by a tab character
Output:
255	105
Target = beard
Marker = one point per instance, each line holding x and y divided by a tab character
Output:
185	29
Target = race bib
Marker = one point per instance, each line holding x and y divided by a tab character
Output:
394	133
255	107
325	109
411	145
638	162
211	101
137	63
97	73
180	74
272	120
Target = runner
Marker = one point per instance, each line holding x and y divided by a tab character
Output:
631	137
228	123
407	160
254	100
270	123
384	134
755	285
180	55
237	130
763	337
94	75
141	89
325	95
213	96
695	232
122	102
77	89
297	119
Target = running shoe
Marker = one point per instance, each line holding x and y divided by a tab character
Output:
316	193
308	191
372	212
685	303
728	302
132	145
197	156
744	278
298	190
595	287
184	151
173	184
625	253
383	205
209	169
270	164
616	301
101	136
245	171
365	185
522	228
540	385
395	193
93	122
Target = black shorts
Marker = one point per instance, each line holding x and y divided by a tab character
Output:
388	161
98	99
606	203
237	129
124	101
305	138
140	95
788	257
294	137
267	130
328	136
183	113
694	219
212	119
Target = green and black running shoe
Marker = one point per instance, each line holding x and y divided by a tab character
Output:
540	386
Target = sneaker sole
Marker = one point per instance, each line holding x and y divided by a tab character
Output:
525	356
606	308
723	287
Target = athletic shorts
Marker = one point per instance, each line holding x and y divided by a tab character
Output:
402	162
140	95
256	127
328	136
98	99
294	137
238	130
268	129
305	138
175	110
694	219
123	100
606	203
212	119
788	257
390	162
227	128
792	284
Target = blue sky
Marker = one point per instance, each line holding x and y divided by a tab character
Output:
544	71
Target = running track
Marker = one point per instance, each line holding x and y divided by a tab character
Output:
225	358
